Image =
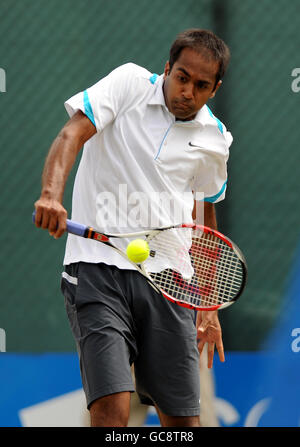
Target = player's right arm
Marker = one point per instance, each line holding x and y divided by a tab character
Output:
50	213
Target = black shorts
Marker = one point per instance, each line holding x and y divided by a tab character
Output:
117	320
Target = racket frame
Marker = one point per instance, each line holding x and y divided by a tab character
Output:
227	241
90	233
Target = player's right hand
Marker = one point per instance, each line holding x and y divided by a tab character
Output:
51	215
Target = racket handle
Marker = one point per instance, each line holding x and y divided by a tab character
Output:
76	228
72	227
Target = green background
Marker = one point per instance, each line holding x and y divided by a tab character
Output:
52	50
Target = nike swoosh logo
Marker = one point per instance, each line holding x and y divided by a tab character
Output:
193	145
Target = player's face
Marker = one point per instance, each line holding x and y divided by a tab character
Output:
189	84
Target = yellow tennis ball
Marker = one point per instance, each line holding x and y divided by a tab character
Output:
138	250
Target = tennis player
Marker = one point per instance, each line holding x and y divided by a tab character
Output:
144	135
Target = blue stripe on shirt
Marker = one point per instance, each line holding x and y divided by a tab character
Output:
220	125
153	78
216	196
88	108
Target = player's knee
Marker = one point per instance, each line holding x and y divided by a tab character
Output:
179	421
184	421
108	411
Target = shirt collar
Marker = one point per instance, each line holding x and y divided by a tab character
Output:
158	98
158	94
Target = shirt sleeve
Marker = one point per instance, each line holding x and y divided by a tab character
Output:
211	185
102	102
210	175
210	180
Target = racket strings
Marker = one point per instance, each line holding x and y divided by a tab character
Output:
215	271
227	265
223	271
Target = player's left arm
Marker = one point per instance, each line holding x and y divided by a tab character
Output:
208	325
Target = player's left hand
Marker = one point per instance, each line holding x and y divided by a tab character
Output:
209	331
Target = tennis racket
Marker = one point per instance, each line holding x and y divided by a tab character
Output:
191	265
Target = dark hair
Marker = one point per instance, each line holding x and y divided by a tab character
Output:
205	42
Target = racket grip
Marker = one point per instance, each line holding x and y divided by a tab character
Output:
76	228
72	227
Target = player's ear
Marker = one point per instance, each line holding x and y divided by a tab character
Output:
215	90
167	69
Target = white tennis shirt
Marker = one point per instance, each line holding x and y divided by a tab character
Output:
142	167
